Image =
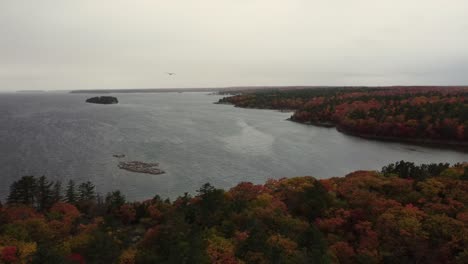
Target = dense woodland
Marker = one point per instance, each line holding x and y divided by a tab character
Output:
403	214
437	114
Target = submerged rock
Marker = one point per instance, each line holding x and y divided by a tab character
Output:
141	167
103	100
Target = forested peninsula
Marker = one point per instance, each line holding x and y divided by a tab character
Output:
404	213
430	115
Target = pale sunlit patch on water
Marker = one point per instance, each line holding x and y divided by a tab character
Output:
249	141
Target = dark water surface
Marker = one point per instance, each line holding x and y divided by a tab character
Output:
194	140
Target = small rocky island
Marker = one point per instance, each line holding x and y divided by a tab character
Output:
102	100
141	167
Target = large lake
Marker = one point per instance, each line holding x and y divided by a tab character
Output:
194	140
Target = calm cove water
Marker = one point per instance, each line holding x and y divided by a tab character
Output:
194	140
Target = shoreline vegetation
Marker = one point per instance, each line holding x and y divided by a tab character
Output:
416	141
404	213
436	116
421	142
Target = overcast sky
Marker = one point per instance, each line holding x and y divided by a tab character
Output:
87	44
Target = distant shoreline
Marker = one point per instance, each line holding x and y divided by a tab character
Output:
166	90
221	90
231	89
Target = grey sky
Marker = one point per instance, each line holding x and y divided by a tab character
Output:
86	44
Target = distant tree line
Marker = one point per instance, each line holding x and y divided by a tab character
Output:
42	194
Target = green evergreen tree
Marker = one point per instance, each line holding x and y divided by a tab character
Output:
57	192
86	191
44	194
70	194
23	191
114	200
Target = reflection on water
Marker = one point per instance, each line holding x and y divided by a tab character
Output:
249	141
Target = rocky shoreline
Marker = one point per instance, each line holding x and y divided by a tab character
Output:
102	100
459	145
319	124
141	167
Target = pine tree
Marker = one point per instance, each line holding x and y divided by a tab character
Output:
87	198
57	192
114	200
44	194
86	191
22	191
70	195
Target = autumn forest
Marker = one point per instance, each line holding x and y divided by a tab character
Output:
418	114
405	213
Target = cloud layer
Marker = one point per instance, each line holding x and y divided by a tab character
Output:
86	44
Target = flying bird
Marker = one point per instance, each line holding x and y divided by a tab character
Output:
170	73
